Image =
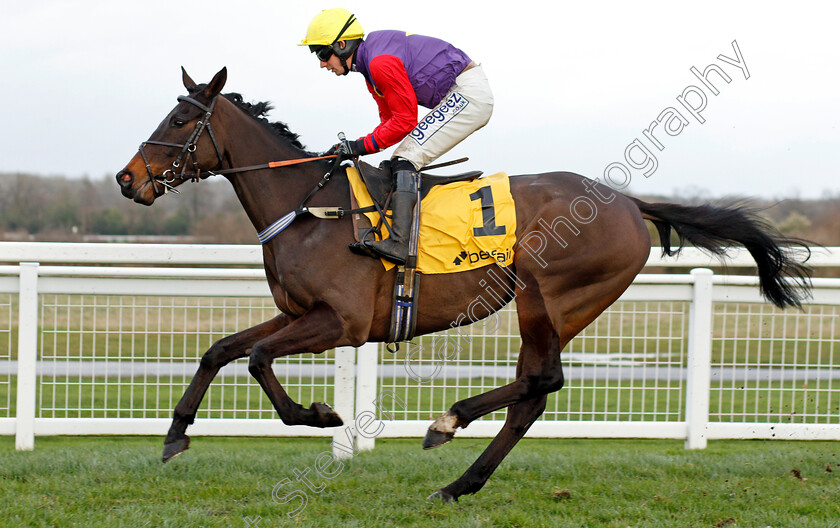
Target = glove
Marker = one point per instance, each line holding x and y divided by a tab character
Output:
348	149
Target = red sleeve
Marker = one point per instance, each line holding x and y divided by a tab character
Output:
396	100
384	111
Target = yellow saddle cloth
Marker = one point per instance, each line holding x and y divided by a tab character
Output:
464	225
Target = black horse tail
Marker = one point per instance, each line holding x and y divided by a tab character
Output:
716	228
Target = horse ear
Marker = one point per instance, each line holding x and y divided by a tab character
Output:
189	84
215	86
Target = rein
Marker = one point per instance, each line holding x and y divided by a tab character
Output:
269	165
279	225
170	176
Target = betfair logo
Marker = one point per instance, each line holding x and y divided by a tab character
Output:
498	255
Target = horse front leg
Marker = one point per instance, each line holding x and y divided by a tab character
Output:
220	354
317	330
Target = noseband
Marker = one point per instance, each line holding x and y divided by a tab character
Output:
171	174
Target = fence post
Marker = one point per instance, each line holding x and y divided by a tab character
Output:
367	364
698	383
27	356
345	396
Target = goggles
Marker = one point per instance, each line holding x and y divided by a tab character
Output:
323	53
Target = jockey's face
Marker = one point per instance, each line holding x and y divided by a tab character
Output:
333	64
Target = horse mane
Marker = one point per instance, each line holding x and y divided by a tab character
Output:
258	112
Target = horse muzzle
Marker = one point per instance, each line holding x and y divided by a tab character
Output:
126	180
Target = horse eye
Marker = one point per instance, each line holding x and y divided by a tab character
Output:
177	122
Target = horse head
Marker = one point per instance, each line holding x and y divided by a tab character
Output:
183	145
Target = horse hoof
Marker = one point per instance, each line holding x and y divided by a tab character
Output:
173	448
325	415
442	496
436	439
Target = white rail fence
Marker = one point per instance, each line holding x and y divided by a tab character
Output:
104	338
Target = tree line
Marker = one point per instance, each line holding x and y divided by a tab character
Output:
56	209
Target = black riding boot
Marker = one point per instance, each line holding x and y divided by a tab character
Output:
395	248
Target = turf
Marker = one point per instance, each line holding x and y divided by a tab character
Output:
228	482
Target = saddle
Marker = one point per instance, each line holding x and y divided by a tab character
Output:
379	182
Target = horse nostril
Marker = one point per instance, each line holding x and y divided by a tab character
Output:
125	178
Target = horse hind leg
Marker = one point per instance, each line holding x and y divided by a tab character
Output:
546	325
542	374
538	371
520	417
554	304
220	354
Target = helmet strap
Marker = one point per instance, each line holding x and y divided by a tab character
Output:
346	25
344	54
337	48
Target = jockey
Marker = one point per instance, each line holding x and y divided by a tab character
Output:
403	71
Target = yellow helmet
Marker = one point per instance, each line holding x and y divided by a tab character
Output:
332	25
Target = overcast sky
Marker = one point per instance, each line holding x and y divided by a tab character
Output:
575	83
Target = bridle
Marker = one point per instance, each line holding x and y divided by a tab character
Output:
171	175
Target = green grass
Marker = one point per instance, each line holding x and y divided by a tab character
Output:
219	482
178	328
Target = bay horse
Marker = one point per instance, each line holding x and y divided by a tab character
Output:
579	246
